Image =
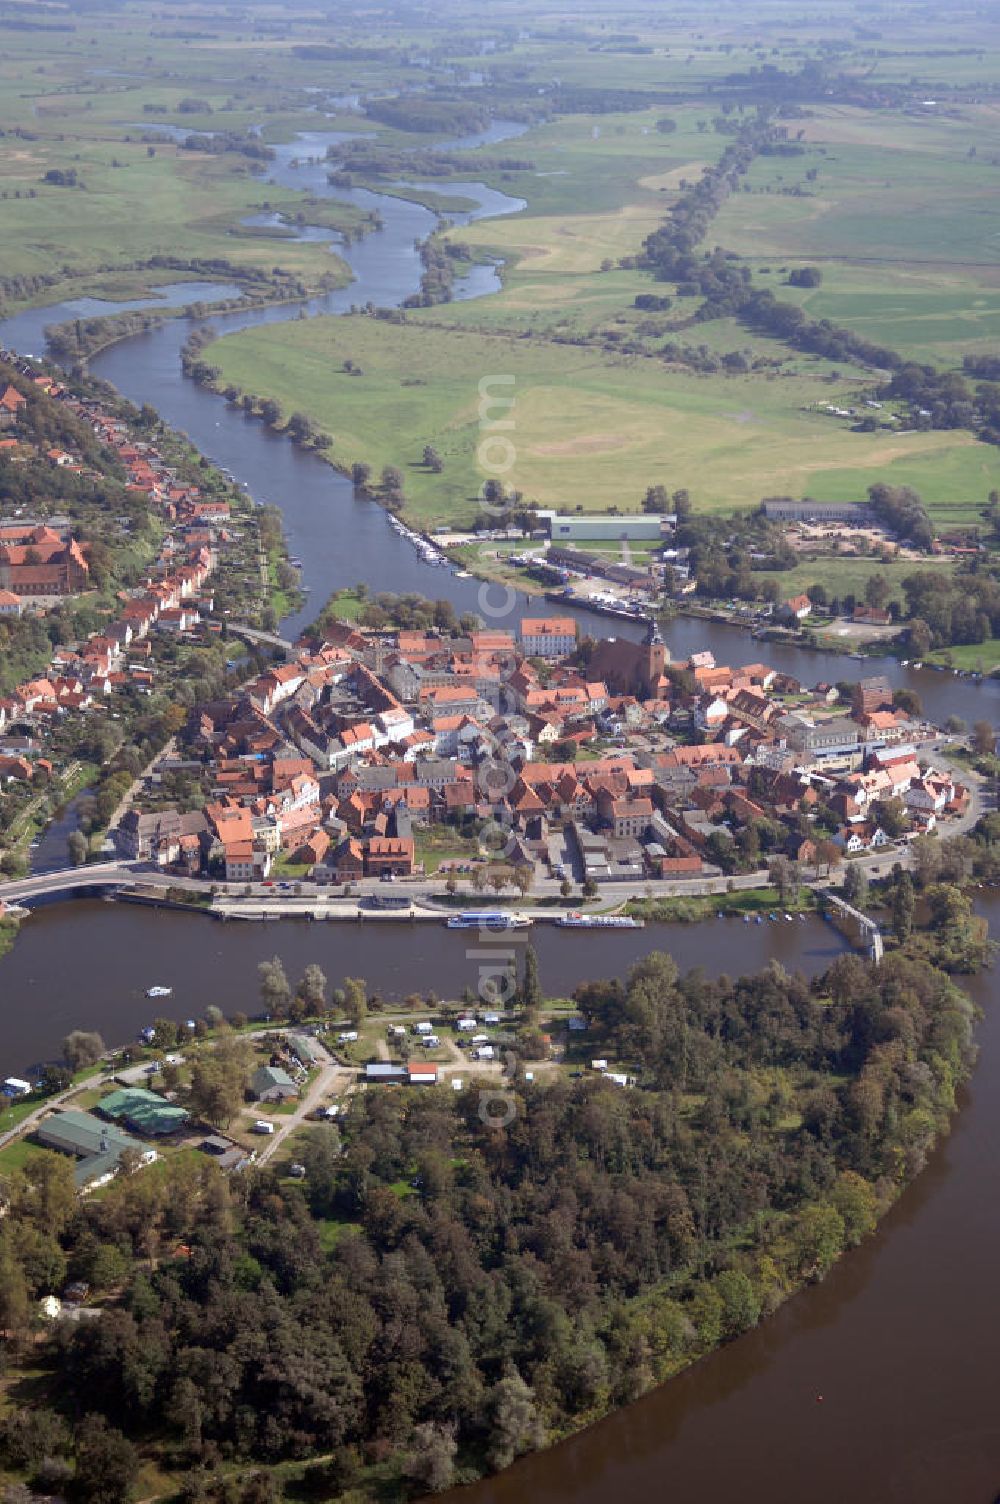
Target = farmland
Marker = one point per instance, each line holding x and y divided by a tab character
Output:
594	426
591	431
894	202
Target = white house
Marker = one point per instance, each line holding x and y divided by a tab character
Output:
548	636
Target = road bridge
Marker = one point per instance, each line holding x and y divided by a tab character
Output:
262	639
69	880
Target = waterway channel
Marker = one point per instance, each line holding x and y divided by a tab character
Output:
877	1387
88	963
900	1341
342	538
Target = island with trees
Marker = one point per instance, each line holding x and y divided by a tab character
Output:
427	1295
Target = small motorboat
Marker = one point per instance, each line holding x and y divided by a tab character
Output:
158	991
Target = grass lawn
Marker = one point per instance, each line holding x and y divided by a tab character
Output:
16	1112
347	605
284	867
590	430
16	1155
978	657
438	844
849	576
85	1101
752	901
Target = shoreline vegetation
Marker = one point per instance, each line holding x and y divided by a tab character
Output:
412	1298
767	1073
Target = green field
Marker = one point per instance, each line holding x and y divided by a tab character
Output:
900	212
847	576
590	431
594	428
185	203
975	657
896	204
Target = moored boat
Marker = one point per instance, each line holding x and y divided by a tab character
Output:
488	919
599	922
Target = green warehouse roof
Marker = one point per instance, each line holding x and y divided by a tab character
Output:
144	1111
268	1078
98	1146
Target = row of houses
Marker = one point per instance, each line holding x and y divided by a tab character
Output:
42	560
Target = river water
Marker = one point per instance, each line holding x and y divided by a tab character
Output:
87	964
899	1341
342	538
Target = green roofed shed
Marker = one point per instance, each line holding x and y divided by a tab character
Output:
144	1111
270	1083
96	1146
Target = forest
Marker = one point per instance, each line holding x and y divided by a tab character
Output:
438	1296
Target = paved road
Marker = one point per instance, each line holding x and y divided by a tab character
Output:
276	900
326	1079
97	874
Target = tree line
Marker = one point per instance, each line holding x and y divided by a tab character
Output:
937	399
437	1296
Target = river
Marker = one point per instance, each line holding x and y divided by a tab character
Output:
87	964
899	1341
342	538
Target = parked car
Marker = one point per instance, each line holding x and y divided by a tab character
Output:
263	1126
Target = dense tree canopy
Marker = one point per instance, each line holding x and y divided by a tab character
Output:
440	1295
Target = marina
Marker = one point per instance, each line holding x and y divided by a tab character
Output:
598	922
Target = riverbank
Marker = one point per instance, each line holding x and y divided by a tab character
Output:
78	340
677	1321
755	903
